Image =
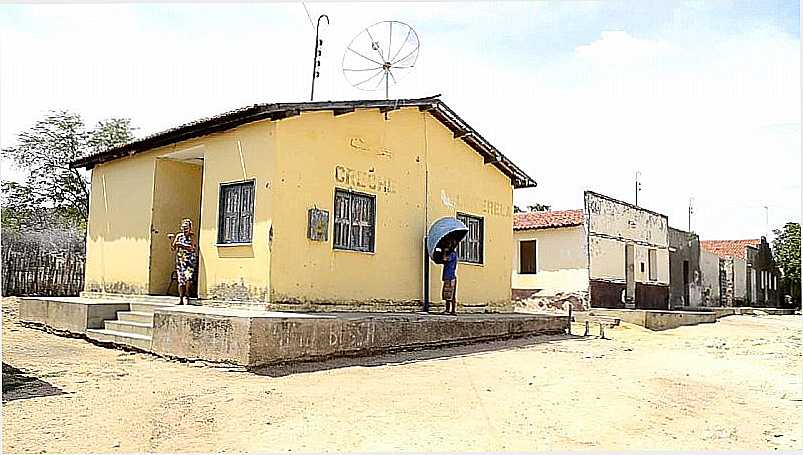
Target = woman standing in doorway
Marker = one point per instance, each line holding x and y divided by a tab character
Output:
186	250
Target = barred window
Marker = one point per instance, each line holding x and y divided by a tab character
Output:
236	212
470	248
354	221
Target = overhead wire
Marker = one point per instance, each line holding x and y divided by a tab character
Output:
311	24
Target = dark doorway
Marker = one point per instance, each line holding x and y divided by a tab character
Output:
630	275
686	283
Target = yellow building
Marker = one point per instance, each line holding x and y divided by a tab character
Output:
306	205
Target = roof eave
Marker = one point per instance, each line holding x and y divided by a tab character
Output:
277	111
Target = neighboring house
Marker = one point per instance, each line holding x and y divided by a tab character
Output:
628	254
613	254
685	276
307	205
710	277
747	272
550	257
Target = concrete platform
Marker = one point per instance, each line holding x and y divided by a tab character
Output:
253	338
73	315
729	311
657	319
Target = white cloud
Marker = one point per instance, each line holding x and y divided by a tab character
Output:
618	47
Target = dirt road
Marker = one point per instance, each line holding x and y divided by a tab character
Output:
735	384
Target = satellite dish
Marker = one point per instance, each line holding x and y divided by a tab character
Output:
380	55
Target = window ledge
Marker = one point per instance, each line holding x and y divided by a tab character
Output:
234	244
346	250
475	264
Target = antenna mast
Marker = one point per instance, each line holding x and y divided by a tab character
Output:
691	210
638	186
316	62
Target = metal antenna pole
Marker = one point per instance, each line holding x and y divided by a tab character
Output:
315	62
638	185
691	210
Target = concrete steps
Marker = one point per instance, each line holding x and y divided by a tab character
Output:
133	328
148	307
139	328
134	340
135	316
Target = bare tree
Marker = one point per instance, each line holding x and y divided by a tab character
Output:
53	189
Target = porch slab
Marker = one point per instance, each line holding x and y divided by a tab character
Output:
728	311
657	319
773	311
72	315
254	338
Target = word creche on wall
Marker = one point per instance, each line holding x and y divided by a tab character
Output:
363	179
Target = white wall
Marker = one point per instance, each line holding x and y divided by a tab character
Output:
709	267
560	260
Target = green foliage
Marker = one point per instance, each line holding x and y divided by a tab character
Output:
53	192
539	207
786	249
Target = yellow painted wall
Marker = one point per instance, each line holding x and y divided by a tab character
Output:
118	232
561	260
238	272
391	159
411	163
177	195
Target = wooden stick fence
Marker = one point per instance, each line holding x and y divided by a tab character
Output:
32	271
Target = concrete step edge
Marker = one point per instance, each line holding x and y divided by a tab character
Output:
115	333
131	323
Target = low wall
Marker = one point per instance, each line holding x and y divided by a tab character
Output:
258	338
657	319
69	314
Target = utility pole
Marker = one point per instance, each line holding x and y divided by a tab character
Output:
691	210
638	185
767	221
316	62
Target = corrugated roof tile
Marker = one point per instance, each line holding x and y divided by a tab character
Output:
549	219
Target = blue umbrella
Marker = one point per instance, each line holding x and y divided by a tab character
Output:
444	229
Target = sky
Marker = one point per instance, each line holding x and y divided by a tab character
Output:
702	98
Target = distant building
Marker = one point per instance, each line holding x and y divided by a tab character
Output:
748	275
685	276
611	254
550	258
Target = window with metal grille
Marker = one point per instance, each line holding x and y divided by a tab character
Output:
354	221
470	248
236	212
527	256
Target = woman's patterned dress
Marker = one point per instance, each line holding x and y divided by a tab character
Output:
185	260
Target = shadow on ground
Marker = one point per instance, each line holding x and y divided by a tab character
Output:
19	386
410	356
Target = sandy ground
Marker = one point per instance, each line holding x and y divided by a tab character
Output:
735	384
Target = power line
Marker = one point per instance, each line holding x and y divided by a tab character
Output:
311	24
